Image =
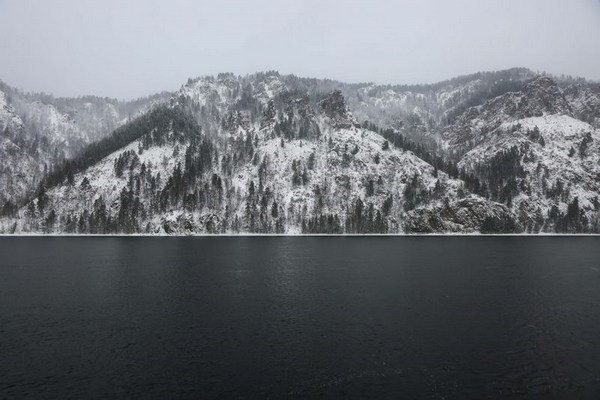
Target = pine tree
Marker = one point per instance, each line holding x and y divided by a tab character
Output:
370	189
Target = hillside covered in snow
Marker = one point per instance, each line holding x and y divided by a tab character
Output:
39	132
497	152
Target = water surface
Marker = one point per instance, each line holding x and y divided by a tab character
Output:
300	317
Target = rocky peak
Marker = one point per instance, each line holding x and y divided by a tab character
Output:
335	108
545	97
334	104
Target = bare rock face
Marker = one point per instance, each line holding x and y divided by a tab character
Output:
472	214
186	224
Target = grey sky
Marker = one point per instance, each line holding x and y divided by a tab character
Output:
131	48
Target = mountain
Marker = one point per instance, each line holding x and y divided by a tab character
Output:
39	132
585	102
268	153
431	105
529	150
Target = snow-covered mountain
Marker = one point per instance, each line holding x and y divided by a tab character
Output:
431	105
39	132
585	102
528	150
269	153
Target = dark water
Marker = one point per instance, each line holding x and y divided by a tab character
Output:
299	317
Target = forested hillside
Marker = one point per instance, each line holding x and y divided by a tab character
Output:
39	133
499	152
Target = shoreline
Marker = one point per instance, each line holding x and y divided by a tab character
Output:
304	235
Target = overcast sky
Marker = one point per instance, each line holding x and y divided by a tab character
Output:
132	48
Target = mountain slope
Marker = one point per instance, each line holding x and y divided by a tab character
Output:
238	156
38	132
506	151
528	150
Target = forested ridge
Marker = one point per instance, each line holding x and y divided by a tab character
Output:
275	154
